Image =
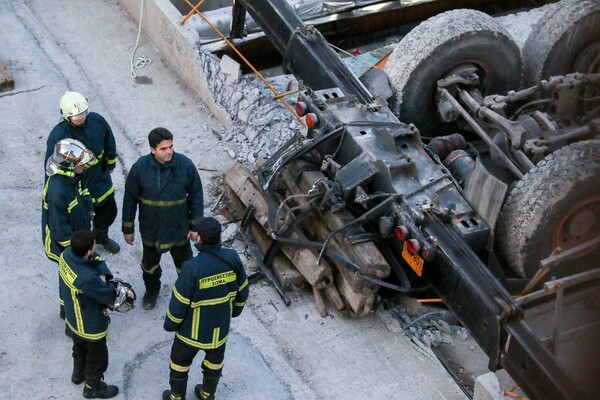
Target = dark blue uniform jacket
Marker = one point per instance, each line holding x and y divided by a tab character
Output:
85	294
66	208
169	197
98	137
207	294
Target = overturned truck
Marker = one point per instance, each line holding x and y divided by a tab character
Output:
443	171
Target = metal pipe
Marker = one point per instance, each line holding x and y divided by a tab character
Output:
558	309
570	134
505	160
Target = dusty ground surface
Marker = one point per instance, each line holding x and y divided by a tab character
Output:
274	351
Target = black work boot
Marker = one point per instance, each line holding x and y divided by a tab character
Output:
177	391
103	240
149	300
167	395
78	375
206	390
99	390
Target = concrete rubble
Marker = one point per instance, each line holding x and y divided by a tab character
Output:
260	124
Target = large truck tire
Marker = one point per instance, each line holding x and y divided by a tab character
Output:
556	204
435	47
566	39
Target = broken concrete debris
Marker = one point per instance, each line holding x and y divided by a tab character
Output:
260	124
7	82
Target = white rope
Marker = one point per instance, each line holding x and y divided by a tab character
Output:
141	61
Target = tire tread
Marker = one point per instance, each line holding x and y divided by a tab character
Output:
533	198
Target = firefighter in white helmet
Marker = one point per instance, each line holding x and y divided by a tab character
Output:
91	129
66	202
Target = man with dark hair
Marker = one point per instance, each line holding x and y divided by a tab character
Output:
87	292
211	289
168	190
91	129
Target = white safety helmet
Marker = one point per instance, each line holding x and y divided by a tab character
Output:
73	104
69	154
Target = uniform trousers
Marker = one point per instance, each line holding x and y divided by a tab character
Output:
151	270
105	214
95	355
182	356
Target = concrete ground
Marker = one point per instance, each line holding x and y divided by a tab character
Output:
275	352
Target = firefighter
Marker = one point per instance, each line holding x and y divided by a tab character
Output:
90	128
168	190
66	202
211	289
88	290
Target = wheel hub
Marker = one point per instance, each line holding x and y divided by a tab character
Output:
588	59
580	224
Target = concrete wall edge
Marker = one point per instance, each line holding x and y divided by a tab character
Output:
180	47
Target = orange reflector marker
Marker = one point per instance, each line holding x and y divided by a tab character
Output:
401	233
413	246
301	108
311	120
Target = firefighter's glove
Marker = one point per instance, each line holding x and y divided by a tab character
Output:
125	298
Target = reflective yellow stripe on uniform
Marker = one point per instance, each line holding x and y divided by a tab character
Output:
182	299
151	270
44	192
105	195
212	302
214	367
47	248
78	315
174	319
72	205
68	277
203	346
62	172
165	246
195	323
160	203
216	334
89	336
177	367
